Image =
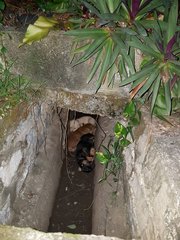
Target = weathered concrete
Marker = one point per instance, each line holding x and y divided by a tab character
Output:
153	180
29	169
109	205
14	233
47	63
101	104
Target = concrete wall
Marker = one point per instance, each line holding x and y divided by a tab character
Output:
48	63
153	180
29	169
146	204
110	203
14	233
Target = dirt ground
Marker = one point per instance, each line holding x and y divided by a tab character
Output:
72	211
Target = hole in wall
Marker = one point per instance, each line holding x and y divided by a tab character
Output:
72	211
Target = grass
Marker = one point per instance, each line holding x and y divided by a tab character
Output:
14	89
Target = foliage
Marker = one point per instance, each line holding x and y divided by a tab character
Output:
123	26
160	67
105	42
112	156
110	33
13	89
2	6
38	30
60	6
160	106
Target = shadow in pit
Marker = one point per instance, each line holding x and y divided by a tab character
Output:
72	211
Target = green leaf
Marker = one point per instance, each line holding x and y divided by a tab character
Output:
142	73
147	8
124	51
101	158
128	31
129	109
120	130
122	68
3	50
134	121
115	53
124	142
176	90
88	33
111	73
167	97
94	47
112	5
95	66
109	17
44	22
2	5
91	8
149	82
155	92
82	48
153	24
33	34
106	152
103	71
144	48
102	6
39	30
136	83
141	30
72	226
172	20
174	69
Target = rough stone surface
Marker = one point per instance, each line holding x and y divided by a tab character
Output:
29	171
14	233
153	180
109	205
103	105
47	63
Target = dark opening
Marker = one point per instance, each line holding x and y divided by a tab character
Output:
72	210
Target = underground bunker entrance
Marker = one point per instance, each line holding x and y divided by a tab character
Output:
72	211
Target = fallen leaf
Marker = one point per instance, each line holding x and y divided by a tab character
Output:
72	226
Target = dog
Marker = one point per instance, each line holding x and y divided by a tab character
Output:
85	153
79	122
74	137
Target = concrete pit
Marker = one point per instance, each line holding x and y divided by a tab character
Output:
42	189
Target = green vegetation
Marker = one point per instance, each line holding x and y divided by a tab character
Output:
112	156
111	31
2	6
13	88
121	28
60	6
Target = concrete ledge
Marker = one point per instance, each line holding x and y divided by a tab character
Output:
14	233
47	63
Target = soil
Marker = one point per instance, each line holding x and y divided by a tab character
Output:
72	211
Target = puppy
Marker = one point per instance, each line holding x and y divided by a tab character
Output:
74	137
79	122
85	153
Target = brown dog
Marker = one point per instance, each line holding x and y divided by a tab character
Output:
74	137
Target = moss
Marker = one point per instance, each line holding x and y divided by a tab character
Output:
71	236
104	105
12	120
